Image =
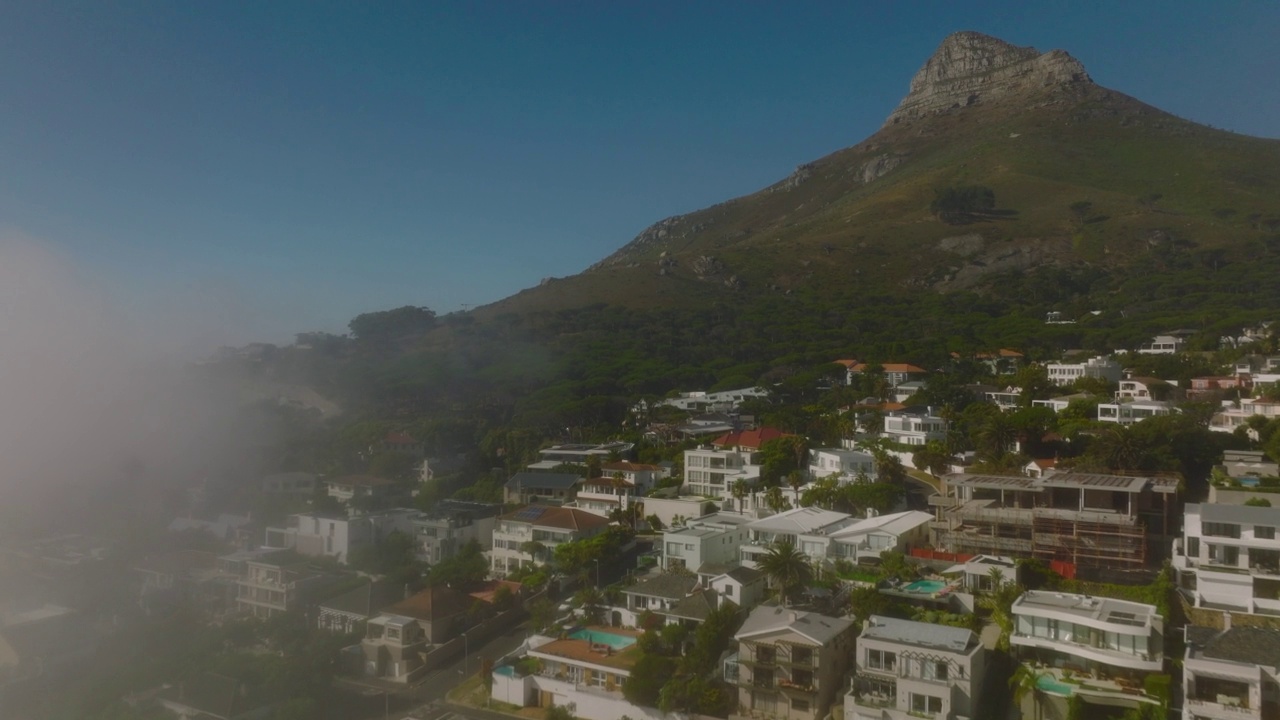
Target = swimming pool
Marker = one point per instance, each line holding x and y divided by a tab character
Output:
1048	683
925	587
1248	481
505	670
599	637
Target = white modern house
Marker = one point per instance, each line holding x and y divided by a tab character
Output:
907	669
713	539
1231	674
1134	411
1113	643
1233	415
804	527
337	536
1102	367
450	525
914	426
1163	345
876	534
711	472
530	535
1229	558
847	464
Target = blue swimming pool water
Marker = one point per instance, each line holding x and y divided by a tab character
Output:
1049	684
1248	481
925	587
505	670
599	637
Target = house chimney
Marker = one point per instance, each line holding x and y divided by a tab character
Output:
792	617
1226	620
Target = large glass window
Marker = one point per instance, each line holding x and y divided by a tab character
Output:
1213	529
882	660
925	704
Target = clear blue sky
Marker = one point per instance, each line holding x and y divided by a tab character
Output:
294	164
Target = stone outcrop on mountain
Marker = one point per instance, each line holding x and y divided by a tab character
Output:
971	68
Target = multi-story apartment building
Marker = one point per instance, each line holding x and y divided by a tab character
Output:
790	664
529	536
1086	519
712	538
338	535
1114	643
450	525
793	526
1102	368
914	426
603	495
1234	415
711	472
275	583
1231	674
1163	345
350	487
1229	557
846	464
907	669
895	374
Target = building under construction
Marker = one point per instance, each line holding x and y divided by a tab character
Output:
1085	519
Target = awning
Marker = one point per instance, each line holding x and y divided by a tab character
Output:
954	569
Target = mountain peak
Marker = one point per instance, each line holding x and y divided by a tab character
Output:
970	68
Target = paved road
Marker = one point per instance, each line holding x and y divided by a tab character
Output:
425	699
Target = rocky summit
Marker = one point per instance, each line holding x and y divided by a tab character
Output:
970	68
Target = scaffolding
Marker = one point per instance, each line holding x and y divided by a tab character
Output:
1088	544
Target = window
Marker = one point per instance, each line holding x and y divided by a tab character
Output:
882	660
802	655
1224	554
1193	547
934	670
799	705
802	678
1264	532
1228	530
926	704
765	654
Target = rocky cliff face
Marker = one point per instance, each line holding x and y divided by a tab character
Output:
971	68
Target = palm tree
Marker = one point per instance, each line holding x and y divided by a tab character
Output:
999	603
774	499
796	480
1023	683
787	568
740	492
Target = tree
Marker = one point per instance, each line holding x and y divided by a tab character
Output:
998	602
775	500
788	569
963	203
648	675
740	492
542	614
933	457
591	600
795	479
389	325
1080	210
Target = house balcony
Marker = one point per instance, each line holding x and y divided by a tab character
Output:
754	683
874	691
792	688
1215	710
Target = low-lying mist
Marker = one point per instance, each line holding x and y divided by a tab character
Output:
100	407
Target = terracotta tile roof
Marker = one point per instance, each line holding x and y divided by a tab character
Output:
434	603
556	517
490	590
749	438
890	367
1045	464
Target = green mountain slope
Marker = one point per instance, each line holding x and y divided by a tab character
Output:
1034	128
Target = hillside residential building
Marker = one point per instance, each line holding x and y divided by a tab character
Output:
976	572
712	539
1229	557
804	527
657	594
349	487
847	464
397	639
603	495
541	487
1249	463
402	444
183	578
673	510
1234	415
584	671
279	581
529	536
906	669
644	476
1231	673
1134	411
790	663
348	612
1209	387
702	402
711	471
1115	642
1101	367
744	586
1163	345
1058	404
1086	519
577	453
874	535
894	373
1001	362
916	425
1144	388
452	524
337	536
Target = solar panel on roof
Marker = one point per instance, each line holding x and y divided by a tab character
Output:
529	513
